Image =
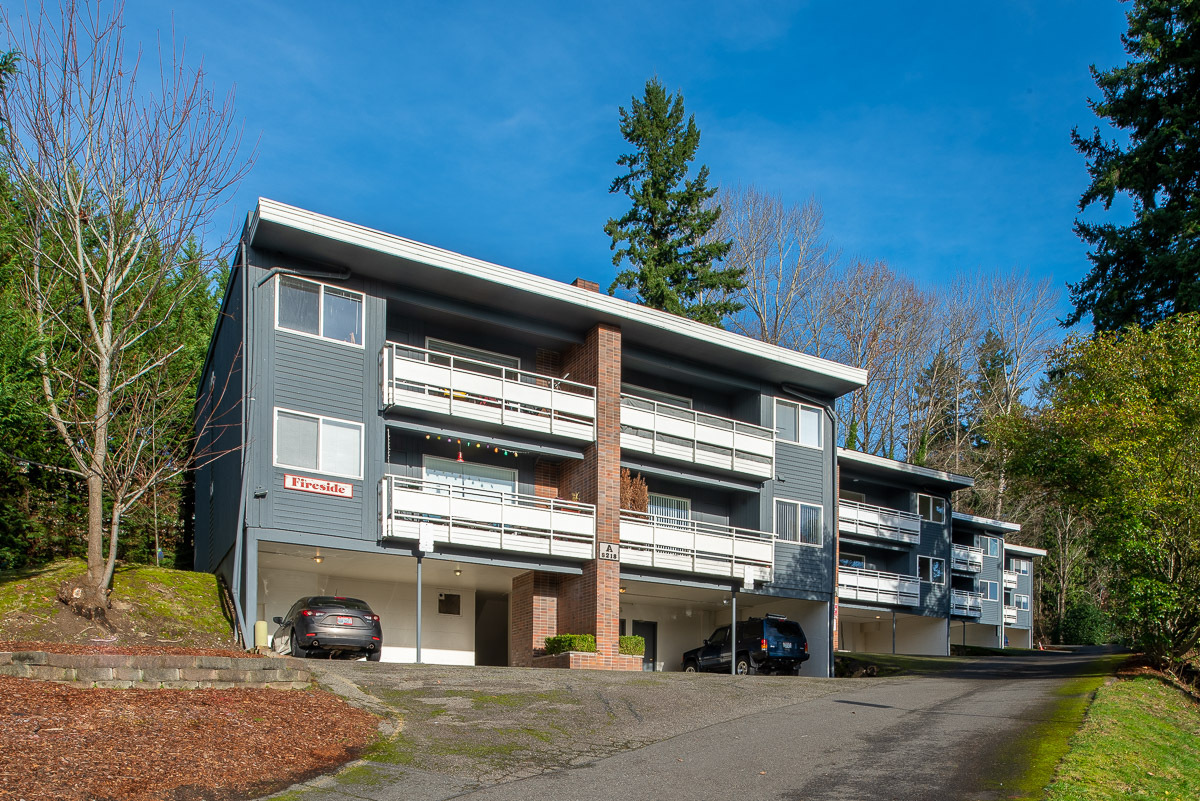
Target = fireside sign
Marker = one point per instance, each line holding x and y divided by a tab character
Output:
319	486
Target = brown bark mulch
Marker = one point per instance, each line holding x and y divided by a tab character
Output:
60	742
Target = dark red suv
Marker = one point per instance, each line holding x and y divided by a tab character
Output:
329	626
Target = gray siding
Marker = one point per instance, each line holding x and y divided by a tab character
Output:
804	474
935	542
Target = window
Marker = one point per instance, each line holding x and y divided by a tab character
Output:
990	590
321	444
851	495
990	545
1019	566
931	508
471	476
670	509
318	310
798	522
449	603
474	354
656	395
852	560
931	570
1022	602
798	423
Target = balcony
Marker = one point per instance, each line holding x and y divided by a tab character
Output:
966	558
686	435
968	604
425	380
689	546
1010	579
432	512
1010	616
878	521
856	584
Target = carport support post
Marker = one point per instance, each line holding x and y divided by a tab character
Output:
733	635
893	629
420	554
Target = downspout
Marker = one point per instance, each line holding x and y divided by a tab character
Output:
338	275
837	548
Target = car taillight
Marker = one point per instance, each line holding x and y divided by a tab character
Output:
764	643
806	646
372	618
311	613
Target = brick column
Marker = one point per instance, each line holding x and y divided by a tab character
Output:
533	607
590	603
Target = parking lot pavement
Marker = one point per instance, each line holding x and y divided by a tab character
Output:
492	734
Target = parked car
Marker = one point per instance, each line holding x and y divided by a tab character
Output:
329	626
771	644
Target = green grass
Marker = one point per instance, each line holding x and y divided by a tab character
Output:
32	589
1023	768
899	664
1141	739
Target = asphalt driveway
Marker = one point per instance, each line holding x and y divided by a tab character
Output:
497	733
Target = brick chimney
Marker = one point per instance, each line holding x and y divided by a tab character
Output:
590	286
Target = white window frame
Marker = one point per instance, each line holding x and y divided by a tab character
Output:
687	506
847	555
320	418
516	476
933	501
988	544
799	534
1021	602
362	312
930	580
658	396
800	407
494	358
984	584
1018	565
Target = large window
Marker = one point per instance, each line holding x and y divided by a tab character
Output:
474	354
852	560
798	522
656	395
990	545
316	443
471	476
990	590
931	570
797	423
931	508
318	310
670	510
1019	566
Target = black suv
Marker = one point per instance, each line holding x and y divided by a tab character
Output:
331	626
771	644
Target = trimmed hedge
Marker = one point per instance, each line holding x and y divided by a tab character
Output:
562	643
632	644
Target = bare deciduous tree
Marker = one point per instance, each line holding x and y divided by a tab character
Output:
115	178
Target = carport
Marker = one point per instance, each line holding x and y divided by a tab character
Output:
465	605
983	635
675	616
882	630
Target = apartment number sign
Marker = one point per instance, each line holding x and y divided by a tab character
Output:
610	552
319	486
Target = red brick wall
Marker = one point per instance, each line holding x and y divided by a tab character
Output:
545	479
534	616
548	362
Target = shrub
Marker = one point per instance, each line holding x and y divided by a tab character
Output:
561	643
1085	624
632	644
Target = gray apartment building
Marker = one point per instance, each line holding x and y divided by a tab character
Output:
392	420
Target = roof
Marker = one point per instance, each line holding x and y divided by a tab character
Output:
424	268
890	469
1025	550
987	523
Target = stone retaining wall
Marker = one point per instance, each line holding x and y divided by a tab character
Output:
125	671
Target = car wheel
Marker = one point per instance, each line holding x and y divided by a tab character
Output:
744	666
795	671
690	667
374	656
298	650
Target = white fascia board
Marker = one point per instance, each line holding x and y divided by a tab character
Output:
1024	550
871	460
988	522
390	244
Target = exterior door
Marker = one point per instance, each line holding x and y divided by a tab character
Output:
648	631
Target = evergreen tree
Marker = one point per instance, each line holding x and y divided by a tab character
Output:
1149	269
663	235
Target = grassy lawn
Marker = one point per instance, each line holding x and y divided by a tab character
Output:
898	664
1141	739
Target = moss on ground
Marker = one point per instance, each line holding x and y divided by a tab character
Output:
32	589
1141	739
188	602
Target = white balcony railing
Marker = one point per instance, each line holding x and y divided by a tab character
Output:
418	509
969	604
967	558
674	432
1010	616
416	378
856	584
689	546
1010	579
878	521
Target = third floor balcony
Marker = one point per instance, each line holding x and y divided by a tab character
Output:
431	381
865	519
686	435
966	558
690	546
877	587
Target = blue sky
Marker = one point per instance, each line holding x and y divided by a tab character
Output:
935	135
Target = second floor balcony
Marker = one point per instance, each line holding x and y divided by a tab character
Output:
966	558
878	521
686	435
874	586
430	381
690	546
1010	579
433	512
968	604
1010	616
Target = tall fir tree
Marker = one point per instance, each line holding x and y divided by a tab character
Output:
663	235
1149	269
